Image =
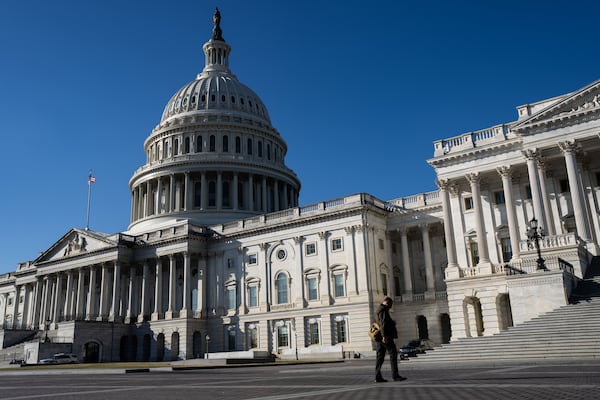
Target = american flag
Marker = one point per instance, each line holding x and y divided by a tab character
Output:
91	179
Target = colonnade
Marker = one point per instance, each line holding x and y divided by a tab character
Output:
113	291
407	270
540	202
211	190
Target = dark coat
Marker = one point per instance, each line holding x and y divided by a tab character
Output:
388	325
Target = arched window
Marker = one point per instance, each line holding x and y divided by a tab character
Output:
211	143
268	151
281	283
175	346
260	149
225	144
249	147
238	145
199	144
186	145
176	147
197	194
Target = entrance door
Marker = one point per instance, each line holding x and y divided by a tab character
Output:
92	352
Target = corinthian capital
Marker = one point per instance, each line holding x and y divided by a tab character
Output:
530	154
568	146
504	171
473	178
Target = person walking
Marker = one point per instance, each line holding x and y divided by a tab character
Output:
386	344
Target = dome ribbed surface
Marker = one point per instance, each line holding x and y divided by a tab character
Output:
215	91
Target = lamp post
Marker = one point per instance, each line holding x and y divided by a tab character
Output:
207	338
46	328
534	234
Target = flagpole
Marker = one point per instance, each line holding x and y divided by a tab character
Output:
91	179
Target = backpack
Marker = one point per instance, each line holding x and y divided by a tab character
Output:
375	332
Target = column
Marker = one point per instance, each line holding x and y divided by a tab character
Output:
35	314
115	312
16	324
250	193
140	202
219	190
91	304
452	270
568	149
286	202
148	208
57	299
550	230
201	301
172	286
171	205
68	315
204	192
429	274
235	200
276	206
5	303
511	215
129	315
264	195
484	266
406	267
145	294
104	295
298	277
158	291
534	184
159	198
26	304
80	293
187	203
134	204
187	300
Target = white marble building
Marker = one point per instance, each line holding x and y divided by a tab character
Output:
219	248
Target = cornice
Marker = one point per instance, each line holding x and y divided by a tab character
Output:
489	149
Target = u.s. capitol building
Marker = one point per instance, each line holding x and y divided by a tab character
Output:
219	257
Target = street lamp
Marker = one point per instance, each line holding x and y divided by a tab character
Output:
534	234
207	338
46	328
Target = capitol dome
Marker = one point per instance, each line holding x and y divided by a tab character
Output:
214	157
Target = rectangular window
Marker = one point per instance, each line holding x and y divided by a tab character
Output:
340	331
527	192
311	249
468	201
564	186
397	286
253	296
336	244
506	249
381	245
252	259
282	336
339	285
231	298
231	339
499	198
313	330
394	249
384	284
253	338
474	254
313	293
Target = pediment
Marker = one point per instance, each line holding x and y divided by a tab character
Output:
74	243
580	106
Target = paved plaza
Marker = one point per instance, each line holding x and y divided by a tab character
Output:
344	380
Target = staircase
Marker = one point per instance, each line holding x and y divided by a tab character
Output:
567	333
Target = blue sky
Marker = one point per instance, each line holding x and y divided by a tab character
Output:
359	91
